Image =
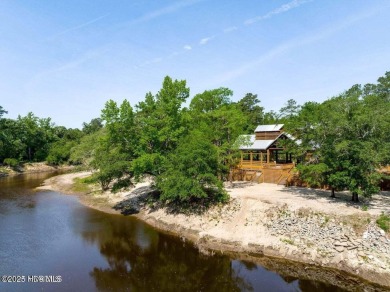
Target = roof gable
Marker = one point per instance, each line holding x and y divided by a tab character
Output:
253	144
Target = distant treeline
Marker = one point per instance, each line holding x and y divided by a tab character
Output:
190	149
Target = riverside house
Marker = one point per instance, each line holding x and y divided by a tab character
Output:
263	156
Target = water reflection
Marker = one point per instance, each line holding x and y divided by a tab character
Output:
46	233
141	259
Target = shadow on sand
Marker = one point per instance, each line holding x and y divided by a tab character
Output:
380	202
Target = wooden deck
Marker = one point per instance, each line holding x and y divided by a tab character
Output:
259	172
385	169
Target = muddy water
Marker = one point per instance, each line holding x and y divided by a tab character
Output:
80	249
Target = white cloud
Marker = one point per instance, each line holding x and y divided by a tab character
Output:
290	45
80	25
187	47
230	29
205	40
165	10
284	8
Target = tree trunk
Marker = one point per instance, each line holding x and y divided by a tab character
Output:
333	194
355	198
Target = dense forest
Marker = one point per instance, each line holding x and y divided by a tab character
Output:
190	149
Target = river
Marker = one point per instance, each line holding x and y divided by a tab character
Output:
45	233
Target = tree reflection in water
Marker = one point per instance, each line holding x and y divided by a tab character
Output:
142	259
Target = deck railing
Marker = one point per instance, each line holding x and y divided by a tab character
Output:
262	165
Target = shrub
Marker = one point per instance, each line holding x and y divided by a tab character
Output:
12	162
191	175
383	222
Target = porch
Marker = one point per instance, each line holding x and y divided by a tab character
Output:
257	159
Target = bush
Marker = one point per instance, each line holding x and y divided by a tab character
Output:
191	175
313	174
12	162
383	222
59	152
111	165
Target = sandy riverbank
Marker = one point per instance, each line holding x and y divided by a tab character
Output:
296	224
33	167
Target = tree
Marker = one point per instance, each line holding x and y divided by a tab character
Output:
221	121
254	113
84	151
110	162
59	152
349	134
290	110
211	100
191	172
159	123
2	111
120	126
93	126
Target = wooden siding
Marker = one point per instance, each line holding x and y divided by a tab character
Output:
268	135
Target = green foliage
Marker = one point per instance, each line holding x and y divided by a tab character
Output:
191	172
349	134
83	152
93	126
159	119
2	111
290	110
190	150
59	152
148	164
254	113
221	122
109	162
31	138
211	100
383	222
12	162
313	174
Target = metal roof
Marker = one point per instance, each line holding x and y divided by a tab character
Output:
250	142
269	128
297	141
254	144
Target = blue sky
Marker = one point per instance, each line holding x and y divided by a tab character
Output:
65	59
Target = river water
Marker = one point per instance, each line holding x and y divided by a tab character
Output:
45	233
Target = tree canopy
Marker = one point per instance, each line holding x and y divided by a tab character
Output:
190	147
349	135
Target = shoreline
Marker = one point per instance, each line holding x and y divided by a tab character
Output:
33	167
272	223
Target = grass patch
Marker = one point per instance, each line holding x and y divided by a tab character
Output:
83	185
303	212
383	222
364	208
288	241
357	221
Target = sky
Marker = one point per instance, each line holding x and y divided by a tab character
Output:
65	59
